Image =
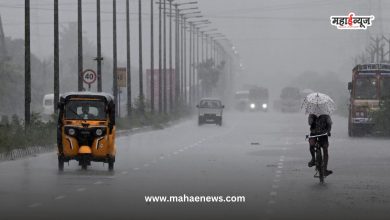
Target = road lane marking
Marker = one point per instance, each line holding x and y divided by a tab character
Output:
35	205
271	202
80	189
97	183
273	193
135	168
59	197
278	171
161	157
146	165
277	176
275	186
124	172
175	153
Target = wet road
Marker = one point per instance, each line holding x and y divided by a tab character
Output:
262	156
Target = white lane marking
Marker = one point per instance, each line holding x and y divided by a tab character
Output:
278	171
124	172
135	168
80	189
59	197
280	167
277	176
273	193
146	165
175	153
181	150
35	205
280	163
281	159
275	186
271	202
276	180
161	157
97	183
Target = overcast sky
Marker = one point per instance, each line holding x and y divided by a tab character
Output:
285	37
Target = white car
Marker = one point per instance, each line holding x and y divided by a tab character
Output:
210	111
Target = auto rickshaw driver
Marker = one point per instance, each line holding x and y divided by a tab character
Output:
85	113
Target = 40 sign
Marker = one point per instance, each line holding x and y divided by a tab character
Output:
89	76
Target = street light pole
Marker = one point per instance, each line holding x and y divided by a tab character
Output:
56	58
27	64
160	102
170	58
80	44
141	90
151	58
98	47
165	59
115	78
128	61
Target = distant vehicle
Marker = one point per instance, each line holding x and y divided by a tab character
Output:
370	83
290	100
258	99
210	111
48	104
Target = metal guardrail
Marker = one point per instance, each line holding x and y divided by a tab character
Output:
21	152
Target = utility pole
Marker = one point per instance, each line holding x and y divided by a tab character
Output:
115	77
80	44
151	58
170	58
160	96
190	65
99	48
185	61
141	89
197	64
56	58
128	62
182	61
165	59
27	64
177	64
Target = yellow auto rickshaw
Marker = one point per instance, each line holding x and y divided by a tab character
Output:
86	129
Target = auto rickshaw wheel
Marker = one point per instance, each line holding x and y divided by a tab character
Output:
111	165
60	163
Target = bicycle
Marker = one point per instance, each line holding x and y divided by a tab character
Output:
319	160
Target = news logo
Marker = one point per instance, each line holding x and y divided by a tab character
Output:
352	22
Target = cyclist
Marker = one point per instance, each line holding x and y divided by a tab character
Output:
320	125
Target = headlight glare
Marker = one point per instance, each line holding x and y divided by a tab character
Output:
253	105
265	105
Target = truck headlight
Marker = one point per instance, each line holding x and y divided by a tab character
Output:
253	105
265	106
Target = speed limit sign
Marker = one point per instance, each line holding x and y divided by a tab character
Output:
89	76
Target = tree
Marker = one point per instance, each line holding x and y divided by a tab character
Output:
209	74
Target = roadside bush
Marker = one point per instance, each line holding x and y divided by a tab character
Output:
16	135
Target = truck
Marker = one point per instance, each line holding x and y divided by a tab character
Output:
370	84
254	99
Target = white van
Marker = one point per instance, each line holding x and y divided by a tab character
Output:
48	104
